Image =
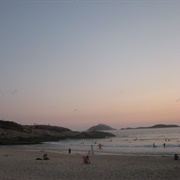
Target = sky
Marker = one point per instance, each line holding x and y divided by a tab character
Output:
79	63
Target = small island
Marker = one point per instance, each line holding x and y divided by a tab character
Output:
154	126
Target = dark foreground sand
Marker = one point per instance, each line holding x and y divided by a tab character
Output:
20	164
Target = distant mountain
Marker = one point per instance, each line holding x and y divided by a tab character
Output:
100	127
155	126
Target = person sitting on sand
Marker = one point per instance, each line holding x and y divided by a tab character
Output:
86	159
45	157
176	157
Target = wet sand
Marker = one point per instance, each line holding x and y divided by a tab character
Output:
21	164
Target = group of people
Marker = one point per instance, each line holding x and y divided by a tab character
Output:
176	157
45	157
86	159
164	145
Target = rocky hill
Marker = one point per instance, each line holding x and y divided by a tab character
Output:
100	127
14	133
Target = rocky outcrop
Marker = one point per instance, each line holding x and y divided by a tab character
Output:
100	127
92	135
13	133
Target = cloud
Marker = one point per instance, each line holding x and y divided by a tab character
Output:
14	91
178	100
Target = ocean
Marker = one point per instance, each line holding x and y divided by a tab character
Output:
129	141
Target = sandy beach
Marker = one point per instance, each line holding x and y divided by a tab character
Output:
21	164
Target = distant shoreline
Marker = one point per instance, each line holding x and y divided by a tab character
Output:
154	126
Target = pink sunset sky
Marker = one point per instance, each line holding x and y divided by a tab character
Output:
76	64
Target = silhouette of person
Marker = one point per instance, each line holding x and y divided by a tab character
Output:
69	150
176	157
45	157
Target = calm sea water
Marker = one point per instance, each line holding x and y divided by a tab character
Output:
134	141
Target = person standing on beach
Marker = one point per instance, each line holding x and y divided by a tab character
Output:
92	150
100	146
164	145
69	150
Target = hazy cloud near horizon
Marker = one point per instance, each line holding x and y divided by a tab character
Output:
14	91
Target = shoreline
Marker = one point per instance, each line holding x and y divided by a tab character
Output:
87	150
